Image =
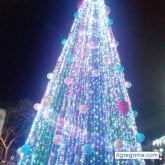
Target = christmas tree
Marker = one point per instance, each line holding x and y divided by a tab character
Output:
85	115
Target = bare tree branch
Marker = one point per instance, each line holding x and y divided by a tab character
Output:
3	143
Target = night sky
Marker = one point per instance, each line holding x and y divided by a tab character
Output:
30	36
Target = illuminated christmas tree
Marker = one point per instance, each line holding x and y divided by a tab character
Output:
85	114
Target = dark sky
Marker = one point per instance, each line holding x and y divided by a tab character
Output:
30	36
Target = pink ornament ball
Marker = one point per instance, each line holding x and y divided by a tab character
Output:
83	109
118	144
57	139
68	81
123	107
106	60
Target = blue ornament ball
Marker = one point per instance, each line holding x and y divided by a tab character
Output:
87	149
135	113
25	149
120	68
140	137
109	22
64	41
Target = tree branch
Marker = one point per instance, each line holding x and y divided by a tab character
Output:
3	143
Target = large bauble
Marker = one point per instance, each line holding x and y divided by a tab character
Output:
83	109
57	139
128	84
87	149
123	107
50	76
25	149
119	68
68	81
140	137
93	43
95	73
37	106
135	113
109	22
118	144
64	41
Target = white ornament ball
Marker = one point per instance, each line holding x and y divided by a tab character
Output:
93	43
50	76
37	106
68	81
95	73
83	109
57	139
19	151
128	84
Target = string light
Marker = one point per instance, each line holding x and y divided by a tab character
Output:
87	114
